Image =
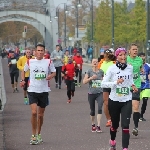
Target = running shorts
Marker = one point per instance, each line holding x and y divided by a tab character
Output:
41	99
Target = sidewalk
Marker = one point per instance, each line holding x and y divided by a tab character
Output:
3	101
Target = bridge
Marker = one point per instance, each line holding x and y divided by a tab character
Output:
38	13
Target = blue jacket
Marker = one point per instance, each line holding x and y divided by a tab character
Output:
145	82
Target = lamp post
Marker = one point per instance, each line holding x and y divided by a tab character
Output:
65	34
112	20
148	33
92	25
57	17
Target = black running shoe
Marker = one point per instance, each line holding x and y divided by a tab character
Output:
142	119
135	132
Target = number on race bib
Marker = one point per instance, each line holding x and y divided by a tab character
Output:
122	91
135	76
40	76
96	83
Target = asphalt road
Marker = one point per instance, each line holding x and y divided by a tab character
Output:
66	126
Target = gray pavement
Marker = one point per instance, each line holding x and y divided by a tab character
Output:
66	126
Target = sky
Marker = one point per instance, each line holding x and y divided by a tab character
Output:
57	2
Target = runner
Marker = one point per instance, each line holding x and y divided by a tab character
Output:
65	59
79	61
20	65
57	57
94	77
137	64
145	86
104	64
13	70
119	77
38	89
68	71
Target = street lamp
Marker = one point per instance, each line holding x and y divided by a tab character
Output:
112	20
57	17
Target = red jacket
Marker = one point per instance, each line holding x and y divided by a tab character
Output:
78	60
47	56
70	68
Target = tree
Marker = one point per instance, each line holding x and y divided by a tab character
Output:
103	23
138	22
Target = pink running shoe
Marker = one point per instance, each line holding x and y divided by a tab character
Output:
112	145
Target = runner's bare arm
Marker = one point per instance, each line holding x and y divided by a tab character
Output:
87	79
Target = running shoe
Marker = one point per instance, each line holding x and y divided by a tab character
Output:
98	129
26	101
16	90
34	140
142	119
79	85
108	124
93	128
112	145
135	132
125	149
69	101
39	138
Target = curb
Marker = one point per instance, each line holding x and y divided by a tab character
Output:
3	99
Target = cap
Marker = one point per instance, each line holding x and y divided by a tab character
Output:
78	51
112	50
107	51
141	54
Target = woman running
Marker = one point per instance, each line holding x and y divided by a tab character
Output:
104	64
94	77
119	78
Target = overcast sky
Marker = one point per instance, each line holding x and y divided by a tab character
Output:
57	2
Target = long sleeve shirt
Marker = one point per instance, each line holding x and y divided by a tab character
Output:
119	92
57	57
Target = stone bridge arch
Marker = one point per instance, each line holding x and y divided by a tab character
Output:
36	24
51	28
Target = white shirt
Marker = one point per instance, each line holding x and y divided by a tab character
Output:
39	70
119	92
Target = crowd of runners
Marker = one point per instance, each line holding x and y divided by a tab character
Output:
118	82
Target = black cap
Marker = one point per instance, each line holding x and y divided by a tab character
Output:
141	54
78	51
107	51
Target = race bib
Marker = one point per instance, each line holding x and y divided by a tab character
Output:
136	75
122	91
40	76
13	61
96	83
143	77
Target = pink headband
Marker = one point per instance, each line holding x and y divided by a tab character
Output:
120	50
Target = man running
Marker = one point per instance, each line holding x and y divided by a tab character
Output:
20	65
145	86
13	70
41	71
68	70
137	64
57	57
79	62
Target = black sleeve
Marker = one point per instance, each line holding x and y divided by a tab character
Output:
9	60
